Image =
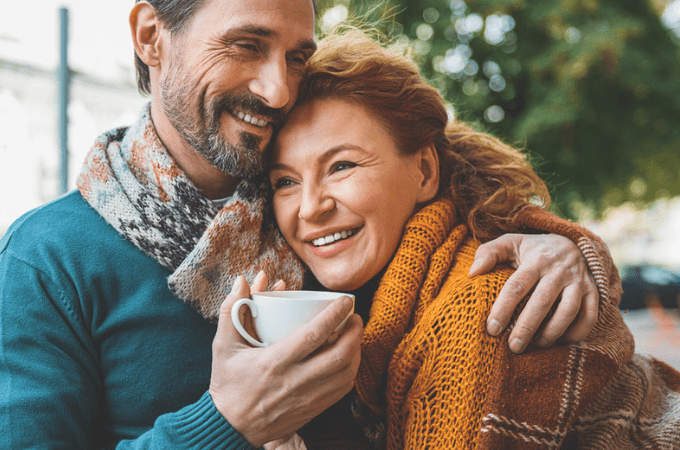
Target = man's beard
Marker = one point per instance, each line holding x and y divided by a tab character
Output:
200	126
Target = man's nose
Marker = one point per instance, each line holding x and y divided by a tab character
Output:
271	83
314	204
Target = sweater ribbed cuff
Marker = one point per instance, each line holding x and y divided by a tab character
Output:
205	428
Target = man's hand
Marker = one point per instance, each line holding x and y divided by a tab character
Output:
293	442
556	268
269	393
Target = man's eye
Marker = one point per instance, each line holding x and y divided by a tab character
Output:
247	46
298	59
342	165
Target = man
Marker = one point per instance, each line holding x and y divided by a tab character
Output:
98	351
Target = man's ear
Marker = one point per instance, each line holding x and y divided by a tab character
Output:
147	33
429	168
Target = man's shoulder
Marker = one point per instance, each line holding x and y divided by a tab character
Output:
67	222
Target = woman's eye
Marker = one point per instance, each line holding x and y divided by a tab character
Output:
282	183
342	165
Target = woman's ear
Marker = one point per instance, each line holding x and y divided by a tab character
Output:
429	168
146	33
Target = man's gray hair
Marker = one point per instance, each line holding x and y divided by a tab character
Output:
174	14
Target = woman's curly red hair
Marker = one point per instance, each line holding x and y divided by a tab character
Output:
489	181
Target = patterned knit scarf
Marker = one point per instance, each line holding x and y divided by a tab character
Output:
129	179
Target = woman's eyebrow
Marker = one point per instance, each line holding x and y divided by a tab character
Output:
328	154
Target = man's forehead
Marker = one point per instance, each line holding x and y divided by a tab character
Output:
265	18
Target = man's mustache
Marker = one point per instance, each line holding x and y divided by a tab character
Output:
252	105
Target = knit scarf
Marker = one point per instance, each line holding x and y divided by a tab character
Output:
130	179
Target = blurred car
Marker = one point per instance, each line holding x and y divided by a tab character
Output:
644	285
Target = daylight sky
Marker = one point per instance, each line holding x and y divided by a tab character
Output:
100	42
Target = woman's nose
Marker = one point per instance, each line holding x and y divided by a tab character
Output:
314	204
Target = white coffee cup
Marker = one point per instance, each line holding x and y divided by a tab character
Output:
276	314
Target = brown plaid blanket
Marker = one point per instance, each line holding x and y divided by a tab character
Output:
598	394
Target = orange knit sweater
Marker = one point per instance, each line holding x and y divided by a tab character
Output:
444	383
430	315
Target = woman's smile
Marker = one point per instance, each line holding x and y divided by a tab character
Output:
333	243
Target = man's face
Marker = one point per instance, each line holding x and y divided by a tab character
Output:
234	73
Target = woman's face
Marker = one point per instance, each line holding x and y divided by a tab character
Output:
343	192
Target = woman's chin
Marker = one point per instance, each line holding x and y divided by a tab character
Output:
346	284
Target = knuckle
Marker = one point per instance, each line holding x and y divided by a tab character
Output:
524	328
313	338
542	301
515	287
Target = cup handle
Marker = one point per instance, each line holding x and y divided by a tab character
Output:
237	322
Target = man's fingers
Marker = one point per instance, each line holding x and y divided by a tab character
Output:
586	320
306	339
532	315
226	332
567	310
502	249
279	286
515	289
260	282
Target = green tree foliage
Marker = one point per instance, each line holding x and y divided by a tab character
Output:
590	88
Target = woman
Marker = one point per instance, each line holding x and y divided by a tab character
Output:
375	191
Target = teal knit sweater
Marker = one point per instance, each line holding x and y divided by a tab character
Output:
95	351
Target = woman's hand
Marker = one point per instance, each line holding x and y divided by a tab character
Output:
557	269
293	442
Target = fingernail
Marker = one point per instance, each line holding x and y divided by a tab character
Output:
259	276
494	327
277	284
517	345
473	266
237	284
541	342
347	303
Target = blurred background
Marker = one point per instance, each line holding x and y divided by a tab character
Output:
589	88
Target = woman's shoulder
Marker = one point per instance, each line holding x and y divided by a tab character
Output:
454	294
458	281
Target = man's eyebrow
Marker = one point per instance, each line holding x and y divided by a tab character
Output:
304	44
307	44
253	29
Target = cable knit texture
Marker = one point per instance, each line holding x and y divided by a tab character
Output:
130	179
428	363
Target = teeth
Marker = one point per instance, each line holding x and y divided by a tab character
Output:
333	237
250	119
